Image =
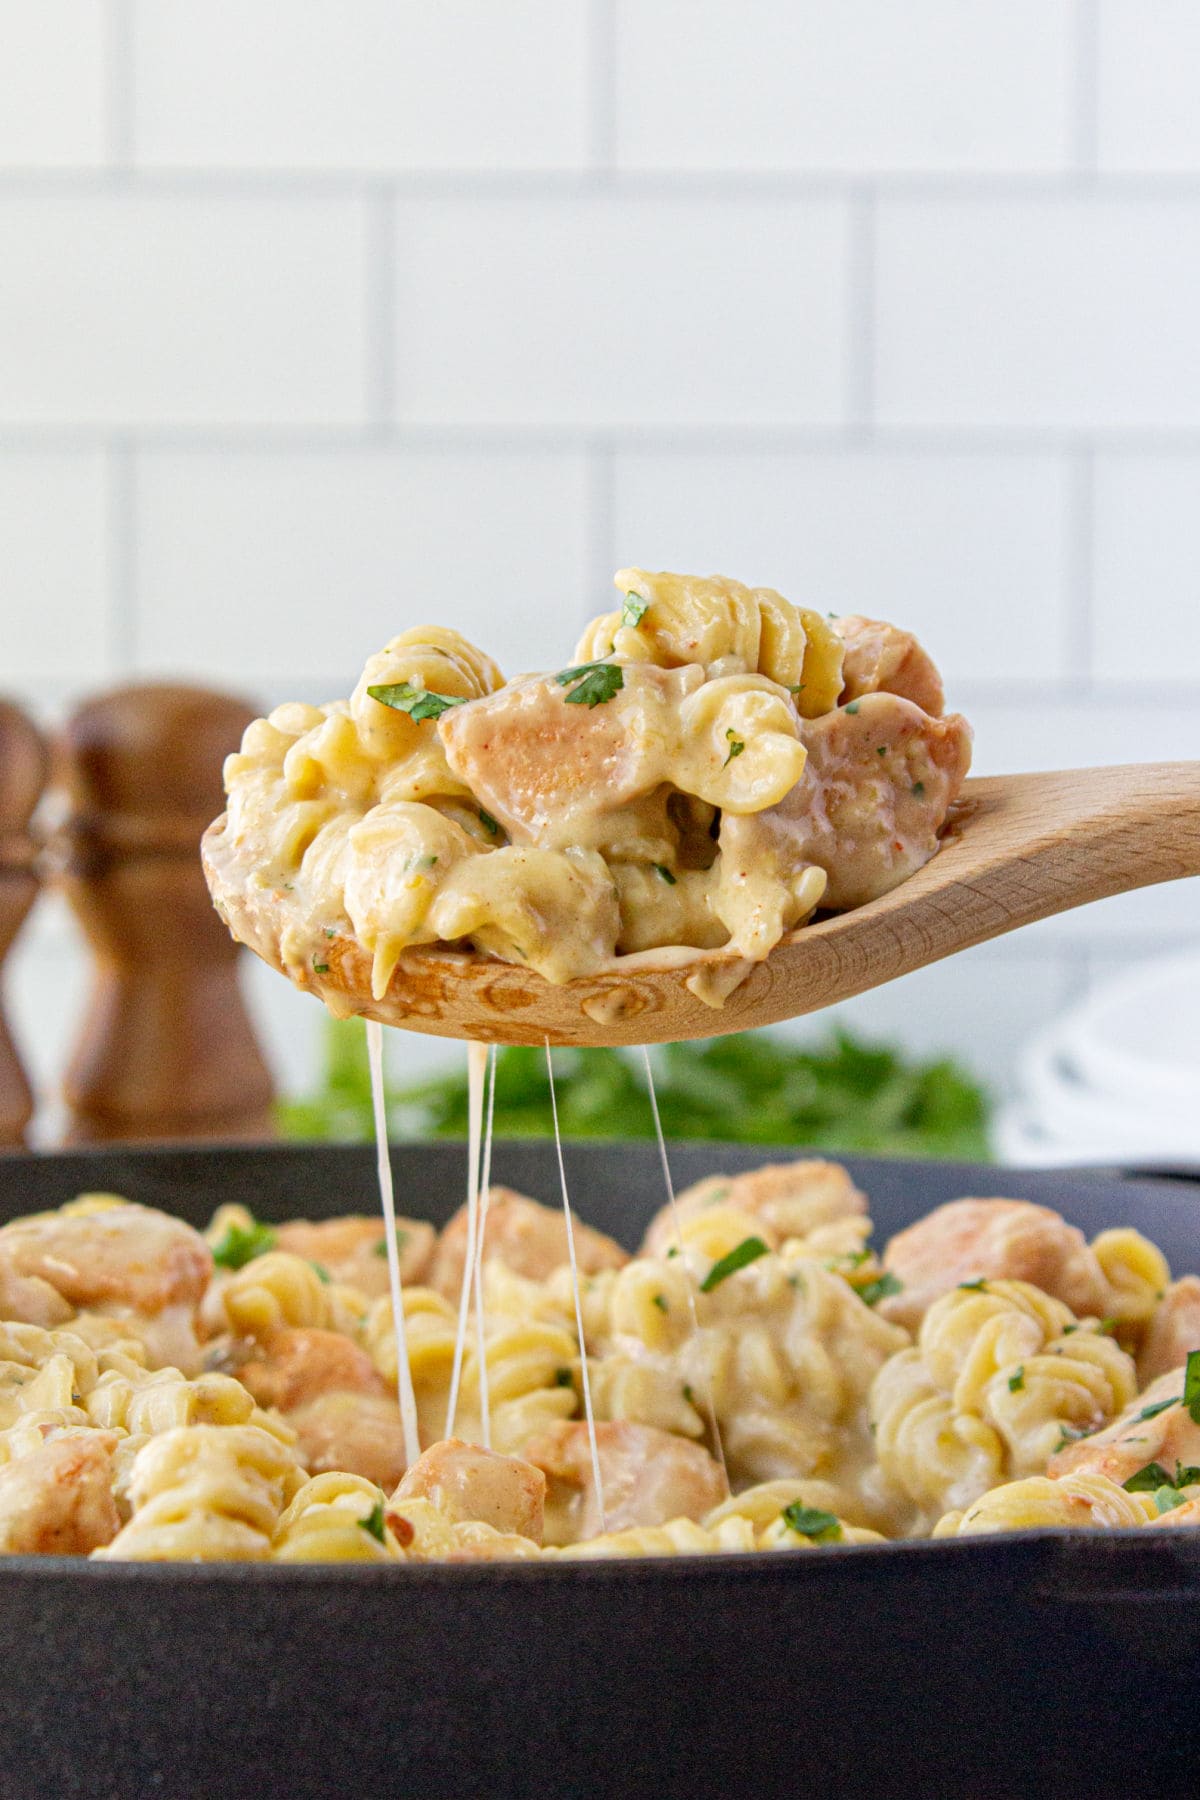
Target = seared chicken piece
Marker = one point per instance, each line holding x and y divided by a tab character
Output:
353	1250
530	1239
1169	1437
787	1200
880	658
993	1240
125	1256
58	1501
466	1482
1173	1330
648	1476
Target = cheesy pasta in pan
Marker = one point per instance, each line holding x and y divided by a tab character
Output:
713	766
762	1379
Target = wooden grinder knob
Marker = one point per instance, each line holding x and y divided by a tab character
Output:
166	1049
24	768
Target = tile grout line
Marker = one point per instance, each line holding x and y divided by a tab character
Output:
119	88
861	314
1079	574
381	396
1084	97
121	507
602	90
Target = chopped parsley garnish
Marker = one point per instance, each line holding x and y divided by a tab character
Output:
879	1289
240	1244
662	870
320	968
1154	1476
660	1300
563	1378
1160	1406
488	823
373	1523
918	788
853	707
331	931
857	1258
811	1522
688	1395
419	703
634	609
1166	1499
1069	1434
748	1251
401	1240
736	746
881	749
1107	1328
1191	1385
1016	1380
594	683
674	1250
974	1287
321	1272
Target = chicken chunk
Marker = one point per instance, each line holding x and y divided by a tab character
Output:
527	1237
468	1483
304	1362
788	1200
127	1256
30	1300
877	787
361	1433
543	767
880	658
1173	1330
58	1501
648	1477
353	1249
996	1240
1168	1437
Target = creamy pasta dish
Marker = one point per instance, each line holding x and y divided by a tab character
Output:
714	766
762	1379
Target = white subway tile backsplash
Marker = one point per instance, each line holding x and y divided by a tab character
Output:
273	569
1072	312
866	85
53	567
968	551
1148	104
599	311
1067	731
181	308
373	84
52	83
1147	561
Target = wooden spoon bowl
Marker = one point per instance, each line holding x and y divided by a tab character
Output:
1018	848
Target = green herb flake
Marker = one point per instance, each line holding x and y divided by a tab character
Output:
634	609
419	703
736	746
1160	1406
810	1522
660	1300
1147	1479
373	1523
1069	1434
593	683
321	1272
1016	1380
401	1240
688	1395
331	931
240	1244
974	1287
748	1251
674	1250
1191	1385
853	707
1166	1499
872	1292
881	749
918	788
489	824
563	1378
320	968
664	873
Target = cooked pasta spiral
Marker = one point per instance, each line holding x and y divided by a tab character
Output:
335	1518
1076	1502
206	1493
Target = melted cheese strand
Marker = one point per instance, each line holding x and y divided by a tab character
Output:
476	1064
709	1403
404	1383
583	1364
485	1184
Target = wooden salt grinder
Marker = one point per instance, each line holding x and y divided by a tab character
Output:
166	1049
24	768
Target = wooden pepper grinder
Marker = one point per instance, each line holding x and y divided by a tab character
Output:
166	1049
24	768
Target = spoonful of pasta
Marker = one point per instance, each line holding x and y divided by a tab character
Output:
726	811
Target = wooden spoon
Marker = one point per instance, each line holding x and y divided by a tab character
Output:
1017	848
